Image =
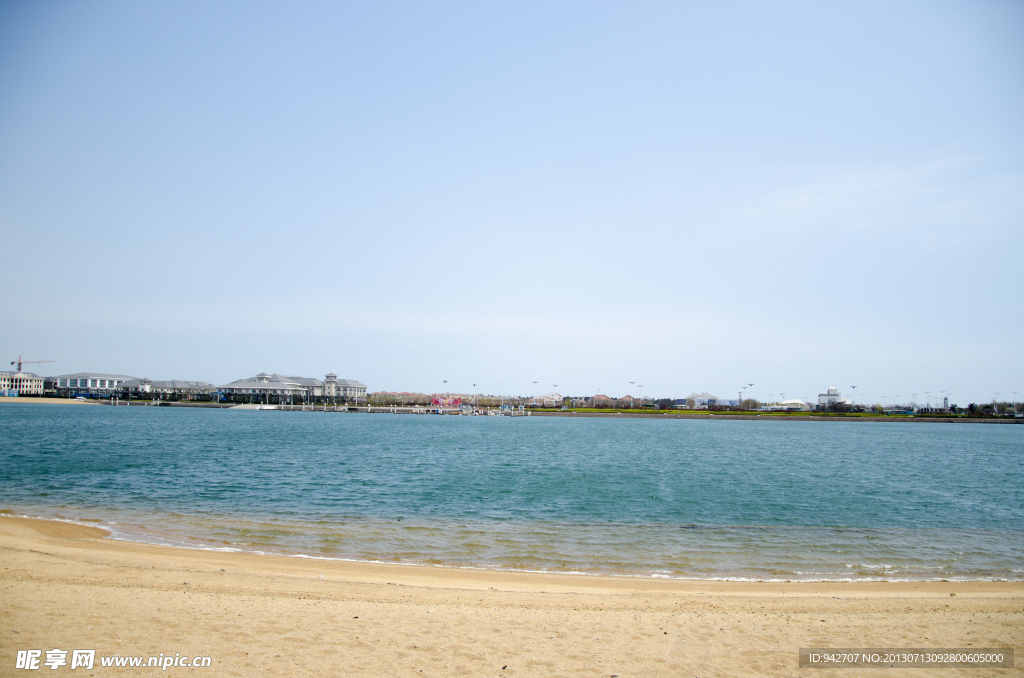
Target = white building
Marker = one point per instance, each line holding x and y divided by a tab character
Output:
20	383
347	389
793	404
276	385
702	401
92	382
279	385
832	397
549	399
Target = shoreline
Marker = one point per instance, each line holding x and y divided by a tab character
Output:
786	417
621	414
188	542
67	585
427	572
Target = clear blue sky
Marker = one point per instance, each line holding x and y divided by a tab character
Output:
687	196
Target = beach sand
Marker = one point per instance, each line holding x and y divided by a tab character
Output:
27	400
66	586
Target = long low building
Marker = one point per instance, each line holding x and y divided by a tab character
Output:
179	387
793	404
264	384
261	385
284	386
601	400
92	382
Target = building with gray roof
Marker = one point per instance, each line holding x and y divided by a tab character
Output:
347	389
268	387
121	384
277	385
179	387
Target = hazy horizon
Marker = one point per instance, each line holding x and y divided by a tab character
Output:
684	196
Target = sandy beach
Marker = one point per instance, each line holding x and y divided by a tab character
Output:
31	400
67	586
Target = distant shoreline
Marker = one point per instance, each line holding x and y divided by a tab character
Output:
789	417
620	414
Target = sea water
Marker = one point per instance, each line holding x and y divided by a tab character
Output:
641	497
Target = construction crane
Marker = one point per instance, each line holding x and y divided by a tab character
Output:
19	362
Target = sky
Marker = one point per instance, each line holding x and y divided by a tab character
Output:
519	197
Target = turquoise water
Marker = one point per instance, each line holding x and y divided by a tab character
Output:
680	498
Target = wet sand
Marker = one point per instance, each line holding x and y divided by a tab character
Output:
67	586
